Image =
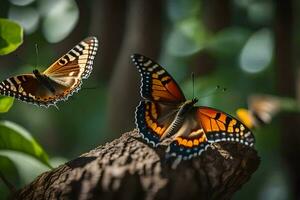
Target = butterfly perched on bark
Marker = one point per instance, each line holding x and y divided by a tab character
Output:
57	82
166	115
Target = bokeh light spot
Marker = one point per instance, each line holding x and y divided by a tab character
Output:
28	17
257	52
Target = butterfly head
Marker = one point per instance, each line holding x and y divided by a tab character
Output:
190	103
186	107
36	72
195	100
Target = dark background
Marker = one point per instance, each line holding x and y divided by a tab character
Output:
246	46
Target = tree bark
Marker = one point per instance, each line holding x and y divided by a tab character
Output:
127	168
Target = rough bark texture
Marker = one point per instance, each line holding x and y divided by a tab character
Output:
127	168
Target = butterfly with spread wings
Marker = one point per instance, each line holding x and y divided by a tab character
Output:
165	114
59	81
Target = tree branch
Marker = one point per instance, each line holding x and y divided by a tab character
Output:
127	168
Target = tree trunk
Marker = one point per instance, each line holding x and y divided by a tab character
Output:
127	168
216	16
108	19
143	35
286	83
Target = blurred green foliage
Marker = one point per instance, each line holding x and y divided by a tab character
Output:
20	154
11	36
6	103
15	138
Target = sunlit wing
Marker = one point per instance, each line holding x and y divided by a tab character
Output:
75	65
152	120
219	126
65	77
204	126
157	84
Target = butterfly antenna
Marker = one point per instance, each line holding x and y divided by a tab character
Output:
193	81
210	93
37	55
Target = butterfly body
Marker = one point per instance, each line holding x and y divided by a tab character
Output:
44	80
166	115
57	82
183	110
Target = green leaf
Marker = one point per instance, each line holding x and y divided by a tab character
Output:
11	36
5	104
9	171
28	167
15	138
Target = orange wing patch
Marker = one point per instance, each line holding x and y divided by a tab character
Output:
164	89
246	117
219	126
212	120
199	137
151	118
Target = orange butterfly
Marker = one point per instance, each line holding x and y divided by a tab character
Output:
261	110
59	81
165	114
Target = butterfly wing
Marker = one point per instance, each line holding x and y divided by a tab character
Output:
74	65
152	120
163	98
219	126
261	110
203	126
157	84
190	140
27	88
64	76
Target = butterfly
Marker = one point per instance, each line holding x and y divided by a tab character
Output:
57	82
261	110
164	114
